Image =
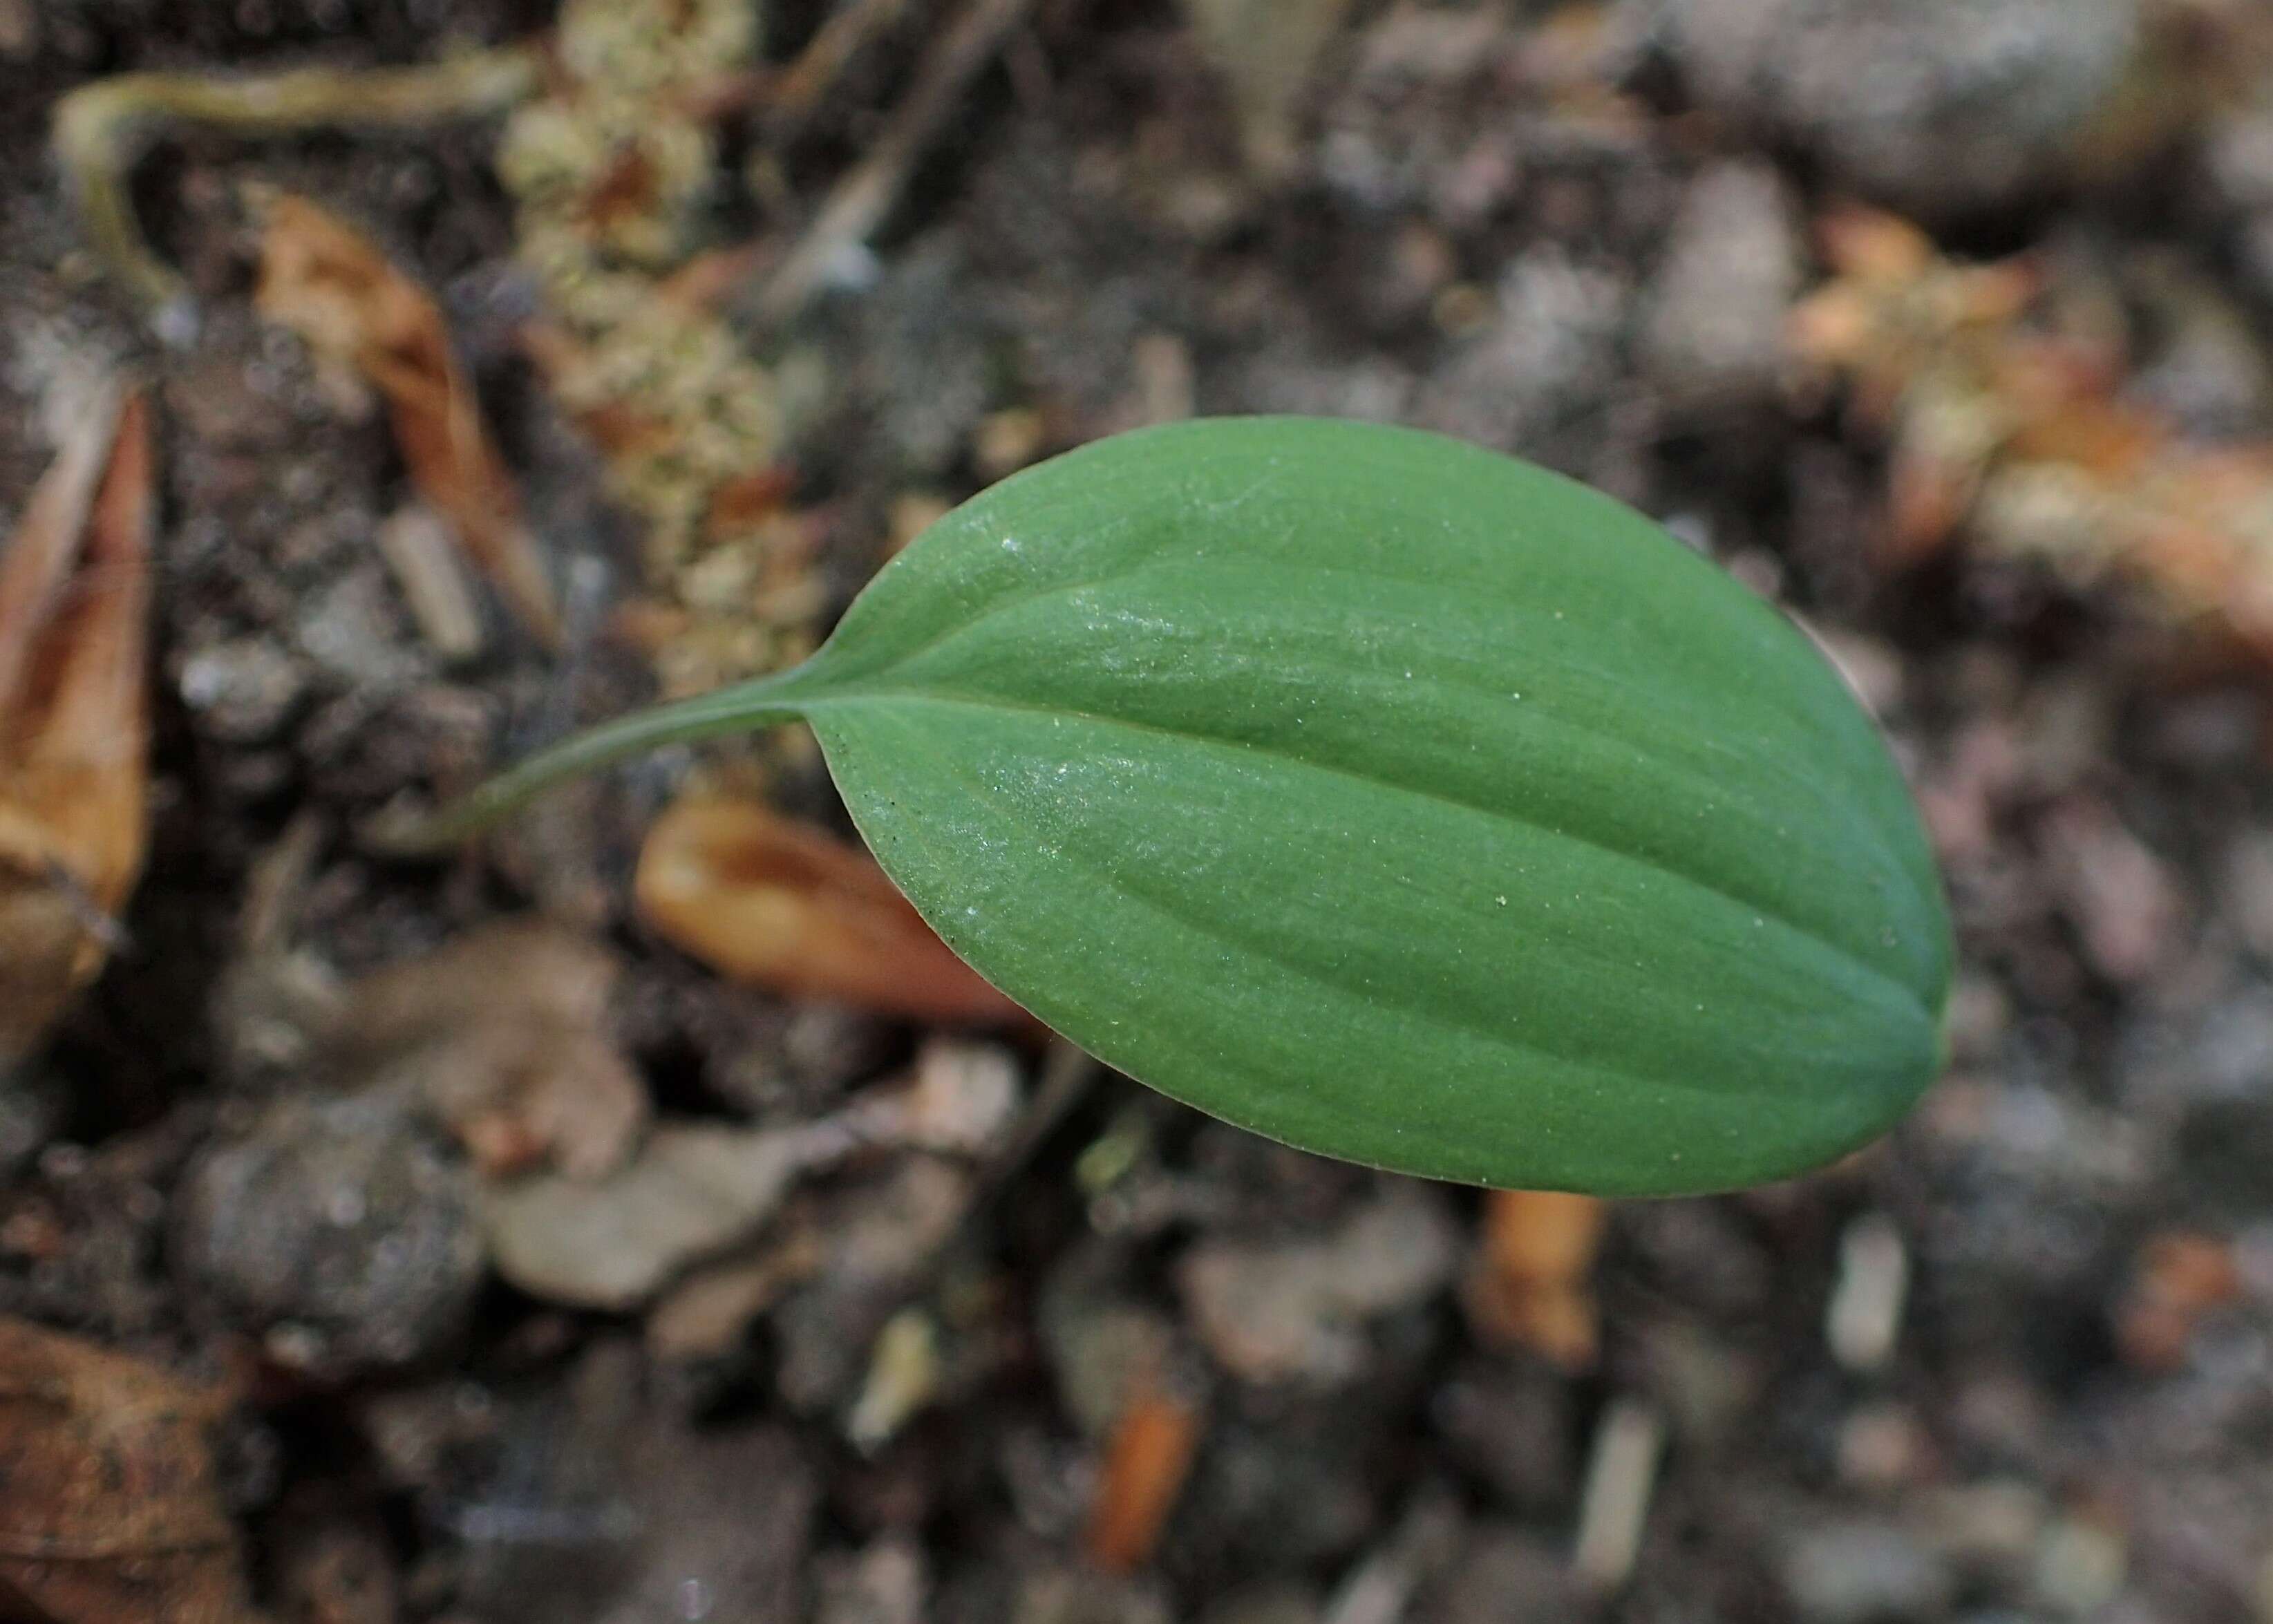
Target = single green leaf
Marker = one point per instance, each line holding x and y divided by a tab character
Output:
1390	797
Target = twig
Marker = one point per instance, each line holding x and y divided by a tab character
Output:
863	198
805	81
787	94
1067	1075
102	129
277	884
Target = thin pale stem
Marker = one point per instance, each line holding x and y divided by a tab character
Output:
745	708
102	128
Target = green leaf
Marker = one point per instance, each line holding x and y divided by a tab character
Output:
1392	798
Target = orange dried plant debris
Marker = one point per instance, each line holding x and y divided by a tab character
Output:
1531	1284
790	907
330	285
1998	389
1146	1462
74	714
2179	1278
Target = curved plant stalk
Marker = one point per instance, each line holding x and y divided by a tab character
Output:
102	129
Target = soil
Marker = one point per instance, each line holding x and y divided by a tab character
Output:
2068	1410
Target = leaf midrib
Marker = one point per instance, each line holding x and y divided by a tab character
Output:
817	704
1610	680
1213	930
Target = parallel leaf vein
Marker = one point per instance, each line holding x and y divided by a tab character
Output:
1337	769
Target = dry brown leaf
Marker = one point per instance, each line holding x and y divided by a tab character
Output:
110	1509
1531	1284
503	1034
332	286
74	715
791	909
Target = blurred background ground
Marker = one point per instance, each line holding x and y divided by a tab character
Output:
1944	325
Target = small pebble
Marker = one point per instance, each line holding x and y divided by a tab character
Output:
1715	328
340	1231
1865	1312
1864	1572
2080	1567
243	691
1882	1447
1941	108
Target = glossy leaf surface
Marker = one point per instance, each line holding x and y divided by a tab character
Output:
1392	798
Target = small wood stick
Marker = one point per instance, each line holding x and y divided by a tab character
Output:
1621	1476
863	198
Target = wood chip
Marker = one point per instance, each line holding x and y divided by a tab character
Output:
2179	1278
903	1376
1614	1507
418	546
1865	1315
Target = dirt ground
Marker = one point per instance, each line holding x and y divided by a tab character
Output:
1063	1352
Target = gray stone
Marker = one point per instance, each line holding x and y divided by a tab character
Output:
1537	379
1957	105
1502	1575
338	1230
1864	1572
2238	159
244	690
1714	330
1297	1309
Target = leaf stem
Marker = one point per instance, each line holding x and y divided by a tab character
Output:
765	702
